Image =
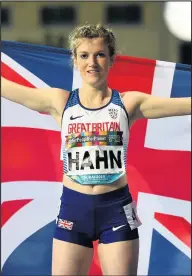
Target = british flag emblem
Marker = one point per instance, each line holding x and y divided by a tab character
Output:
62	223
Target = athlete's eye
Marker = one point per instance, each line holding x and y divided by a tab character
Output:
101	54
83	56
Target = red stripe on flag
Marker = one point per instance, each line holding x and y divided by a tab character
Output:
132	74
30	154
95	268
10	74
165	173
175	224
9	208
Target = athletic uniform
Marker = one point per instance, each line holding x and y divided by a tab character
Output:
94	143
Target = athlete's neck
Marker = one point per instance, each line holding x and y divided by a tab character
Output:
92	97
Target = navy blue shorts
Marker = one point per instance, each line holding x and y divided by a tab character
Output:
108	217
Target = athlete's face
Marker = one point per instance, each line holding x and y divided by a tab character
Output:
93	61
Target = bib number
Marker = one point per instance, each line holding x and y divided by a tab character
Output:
131	215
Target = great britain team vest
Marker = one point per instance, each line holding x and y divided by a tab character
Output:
94	141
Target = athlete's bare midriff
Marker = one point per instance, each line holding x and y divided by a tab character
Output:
94	189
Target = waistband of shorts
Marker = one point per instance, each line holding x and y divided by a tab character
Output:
121	193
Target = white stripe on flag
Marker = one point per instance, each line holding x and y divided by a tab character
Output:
173	133
16	115
77	80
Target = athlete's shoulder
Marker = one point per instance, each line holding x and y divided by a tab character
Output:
130	100
129	96
58	92
61	95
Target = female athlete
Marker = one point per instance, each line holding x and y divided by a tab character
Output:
95	121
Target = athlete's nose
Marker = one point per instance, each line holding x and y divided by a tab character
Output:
92	61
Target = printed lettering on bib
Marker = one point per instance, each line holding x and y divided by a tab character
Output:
95	157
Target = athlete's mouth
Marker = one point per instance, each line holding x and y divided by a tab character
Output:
92	71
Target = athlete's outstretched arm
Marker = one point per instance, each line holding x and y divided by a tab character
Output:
40	99
150	107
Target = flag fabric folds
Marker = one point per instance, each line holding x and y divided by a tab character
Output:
158	163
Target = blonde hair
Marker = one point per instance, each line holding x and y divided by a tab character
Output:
92	31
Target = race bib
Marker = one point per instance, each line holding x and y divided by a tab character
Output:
95	157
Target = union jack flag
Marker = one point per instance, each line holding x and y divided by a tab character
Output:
65	224
158	168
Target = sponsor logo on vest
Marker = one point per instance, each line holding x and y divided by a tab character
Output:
73	118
